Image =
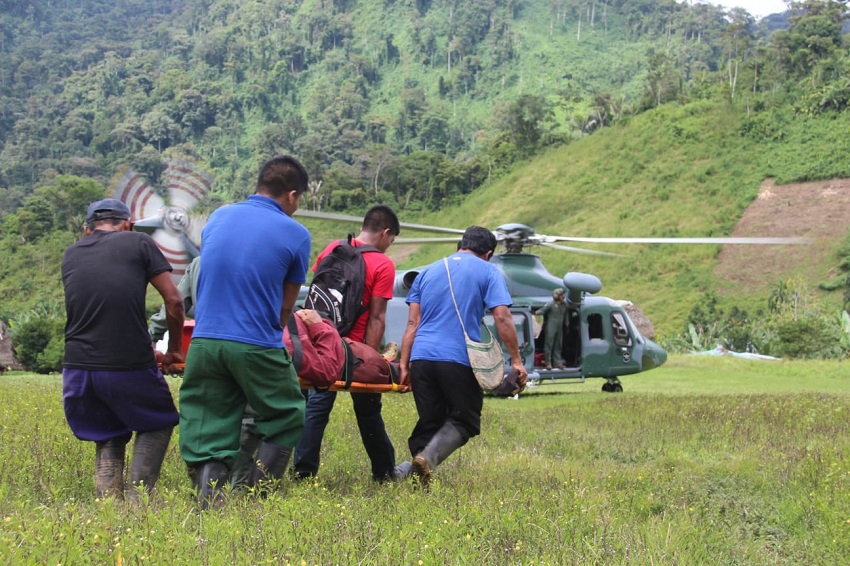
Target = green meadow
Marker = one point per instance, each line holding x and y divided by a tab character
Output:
703	461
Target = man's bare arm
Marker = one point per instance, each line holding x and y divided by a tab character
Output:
174	316
377	323
290	295
414	315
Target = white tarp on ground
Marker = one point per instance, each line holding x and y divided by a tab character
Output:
721	351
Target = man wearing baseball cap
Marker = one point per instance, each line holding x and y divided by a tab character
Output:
111	384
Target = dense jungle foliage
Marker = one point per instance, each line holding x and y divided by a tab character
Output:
415	103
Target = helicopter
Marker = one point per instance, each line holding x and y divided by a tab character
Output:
600	338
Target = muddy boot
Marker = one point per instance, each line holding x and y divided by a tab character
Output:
447	440
148	455
109	468
209	479
270	463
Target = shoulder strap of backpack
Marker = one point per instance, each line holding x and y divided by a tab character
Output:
297	351
348	367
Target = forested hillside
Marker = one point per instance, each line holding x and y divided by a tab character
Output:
415	103
404	101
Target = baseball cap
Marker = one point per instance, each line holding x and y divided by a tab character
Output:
107	208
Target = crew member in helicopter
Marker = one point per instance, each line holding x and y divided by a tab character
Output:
555	312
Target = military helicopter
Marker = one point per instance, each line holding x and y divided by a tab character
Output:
600	338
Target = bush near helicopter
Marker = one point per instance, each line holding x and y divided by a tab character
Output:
600	339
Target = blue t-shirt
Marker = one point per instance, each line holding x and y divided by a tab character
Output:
477	285
250	250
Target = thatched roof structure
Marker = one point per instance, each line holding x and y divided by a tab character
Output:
8	360
643	324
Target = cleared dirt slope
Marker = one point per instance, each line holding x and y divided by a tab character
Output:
819	210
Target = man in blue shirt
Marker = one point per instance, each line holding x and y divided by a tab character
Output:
434	360
255	261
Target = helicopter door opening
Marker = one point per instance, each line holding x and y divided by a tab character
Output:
571	349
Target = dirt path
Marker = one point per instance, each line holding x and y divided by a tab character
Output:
819	210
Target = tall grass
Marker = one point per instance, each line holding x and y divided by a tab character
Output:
704	460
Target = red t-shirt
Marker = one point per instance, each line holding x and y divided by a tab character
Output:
380	279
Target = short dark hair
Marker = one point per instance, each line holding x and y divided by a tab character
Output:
478	240
93	224
379	218
281	174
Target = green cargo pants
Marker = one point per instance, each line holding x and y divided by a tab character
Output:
220	377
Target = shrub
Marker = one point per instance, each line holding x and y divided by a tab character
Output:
39	338
796	325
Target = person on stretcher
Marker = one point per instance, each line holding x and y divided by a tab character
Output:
321	357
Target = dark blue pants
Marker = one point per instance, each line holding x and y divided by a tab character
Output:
367	409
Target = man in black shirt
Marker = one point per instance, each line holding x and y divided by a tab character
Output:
112	385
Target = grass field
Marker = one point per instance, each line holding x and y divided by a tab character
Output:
703	461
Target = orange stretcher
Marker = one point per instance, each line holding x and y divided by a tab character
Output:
358	387
354	386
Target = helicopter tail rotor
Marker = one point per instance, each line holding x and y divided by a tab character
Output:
175	231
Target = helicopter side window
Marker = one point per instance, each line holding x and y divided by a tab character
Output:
621	331
594	327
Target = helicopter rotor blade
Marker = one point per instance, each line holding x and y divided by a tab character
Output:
426	240
173	247
715	241
359	219
186	183
133	190
578	250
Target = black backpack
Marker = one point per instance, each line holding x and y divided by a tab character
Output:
336	291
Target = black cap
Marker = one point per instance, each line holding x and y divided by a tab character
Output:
107	208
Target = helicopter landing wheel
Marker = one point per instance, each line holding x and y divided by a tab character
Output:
612	387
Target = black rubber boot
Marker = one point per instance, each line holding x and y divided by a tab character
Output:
209	479
148	454
447	440
240	474
109	468
270	463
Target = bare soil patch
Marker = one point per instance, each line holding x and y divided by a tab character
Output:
819	211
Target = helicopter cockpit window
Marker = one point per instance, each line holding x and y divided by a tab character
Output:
620	330
594	327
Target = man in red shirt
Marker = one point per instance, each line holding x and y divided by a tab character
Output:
380	228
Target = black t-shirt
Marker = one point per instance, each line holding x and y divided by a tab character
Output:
106	276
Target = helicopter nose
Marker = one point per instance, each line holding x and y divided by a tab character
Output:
653	356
